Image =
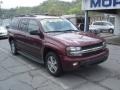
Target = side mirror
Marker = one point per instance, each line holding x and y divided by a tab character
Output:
34	33
37	33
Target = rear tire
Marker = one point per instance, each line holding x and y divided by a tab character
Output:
13	47
53	64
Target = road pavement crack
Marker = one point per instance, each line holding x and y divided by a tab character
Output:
94	82
27	84
13	75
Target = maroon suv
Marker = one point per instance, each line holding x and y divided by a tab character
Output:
55	42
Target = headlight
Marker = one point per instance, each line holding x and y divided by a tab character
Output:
104	44
73	51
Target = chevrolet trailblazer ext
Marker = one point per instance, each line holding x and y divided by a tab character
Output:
55	42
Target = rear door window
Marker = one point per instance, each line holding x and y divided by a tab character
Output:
23	26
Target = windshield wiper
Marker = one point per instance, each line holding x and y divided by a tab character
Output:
63	31
71	30
54	31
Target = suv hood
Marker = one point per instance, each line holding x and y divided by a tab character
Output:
77	39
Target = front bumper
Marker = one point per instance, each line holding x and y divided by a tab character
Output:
67	62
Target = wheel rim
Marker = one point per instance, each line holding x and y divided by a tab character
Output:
52	64
12	47
111	31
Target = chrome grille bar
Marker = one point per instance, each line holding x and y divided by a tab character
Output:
91	50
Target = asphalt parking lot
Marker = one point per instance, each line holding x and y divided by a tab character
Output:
20	73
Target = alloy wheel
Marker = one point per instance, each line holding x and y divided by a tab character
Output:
52	64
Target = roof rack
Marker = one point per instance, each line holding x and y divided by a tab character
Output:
34	15
25	16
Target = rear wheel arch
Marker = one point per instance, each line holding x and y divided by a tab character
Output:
14	50
10	39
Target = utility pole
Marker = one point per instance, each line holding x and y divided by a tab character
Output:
1	9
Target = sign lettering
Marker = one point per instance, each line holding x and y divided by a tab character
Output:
104	3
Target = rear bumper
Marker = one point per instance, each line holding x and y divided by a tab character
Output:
67	62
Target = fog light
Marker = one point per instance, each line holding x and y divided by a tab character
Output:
75	64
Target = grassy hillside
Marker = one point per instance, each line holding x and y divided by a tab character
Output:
52	7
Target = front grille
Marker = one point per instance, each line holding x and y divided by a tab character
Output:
92	46
92	53
92	49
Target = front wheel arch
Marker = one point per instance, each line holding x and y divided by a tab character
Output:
48	49
10	39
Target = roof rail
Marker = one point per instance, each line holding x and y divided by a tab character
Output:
25	15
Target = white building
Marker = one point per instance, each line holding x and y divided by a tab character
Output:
105	6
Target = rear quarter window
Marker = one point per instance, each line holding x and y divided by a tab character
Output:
23	25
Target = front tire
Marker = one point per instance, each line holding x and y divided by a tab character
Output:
53	64
111	31
13	47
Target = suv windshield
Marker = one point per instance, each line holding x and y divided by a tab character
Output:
57	25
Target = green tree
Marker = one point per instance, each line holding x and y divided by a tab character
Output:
52	7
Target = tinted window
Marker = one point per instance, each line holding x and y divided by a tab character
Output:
107	24
14	23
33	26
23	25
98	23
